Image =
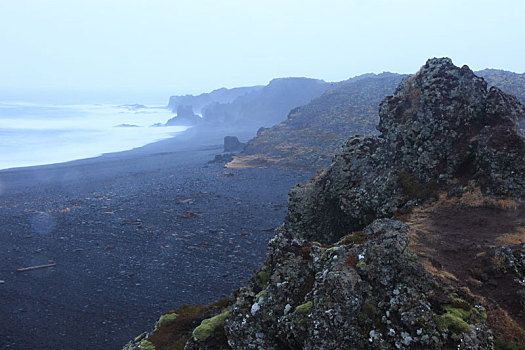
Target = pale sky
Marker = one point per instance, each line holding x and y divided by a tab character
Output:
157	48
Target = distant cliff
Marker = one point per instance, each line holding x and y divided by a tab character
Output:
267	106
221	95
249	107
311	134
412	239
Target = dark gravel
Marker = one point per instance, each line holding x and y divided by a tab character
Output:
133	235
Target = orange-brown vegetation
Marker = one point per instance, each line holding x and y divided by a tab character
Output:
175	334
455	239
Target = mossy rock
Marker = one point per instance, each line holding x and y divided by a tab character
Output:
460	303
459	315
261	294
304	308
166	319
452	320
146	345
327	251
140	337
209	326
357	237
177	330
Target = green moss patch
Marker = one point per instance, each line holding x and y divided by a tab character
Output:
210	326
176	330
458	315
166	319
451	321
357	237
146	345
262	294
304	308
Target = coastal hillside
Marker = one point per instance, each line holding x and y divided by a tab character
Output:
510	82
311	134
259	107
413	239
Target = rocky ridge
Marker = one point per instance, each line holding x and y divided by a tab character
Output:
311	134
341	273
510	82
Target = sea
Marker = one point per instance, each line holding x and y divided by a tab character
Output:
39	133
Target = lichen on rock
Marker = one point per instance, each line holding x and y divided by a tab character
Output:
390	296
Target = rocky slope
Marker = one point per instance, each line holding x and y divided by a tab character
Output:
311	134
510	82
413	239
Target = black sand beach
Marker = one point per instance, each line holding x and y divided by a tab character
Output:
132	234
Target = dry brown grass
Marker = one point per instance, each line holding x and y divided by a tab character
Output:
319	174
504	326
455	238
441	274
476	199
513	238
413	77
243	162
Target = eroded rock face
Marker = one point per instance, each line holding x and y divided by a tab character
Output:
440	129
367	291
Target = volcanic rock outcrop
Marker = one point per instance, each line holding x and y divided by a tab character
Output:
509	82
440	129
341	273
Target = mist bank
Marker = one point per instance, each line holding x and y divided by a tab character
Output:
85	95
37	134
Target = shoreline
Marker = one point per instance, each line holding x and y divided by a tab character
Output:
133	234
194	139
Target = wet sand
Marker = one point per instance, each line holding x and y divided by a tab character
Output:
132	234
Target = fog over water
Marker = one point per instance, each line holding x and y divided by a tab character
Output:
36	134
70	52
